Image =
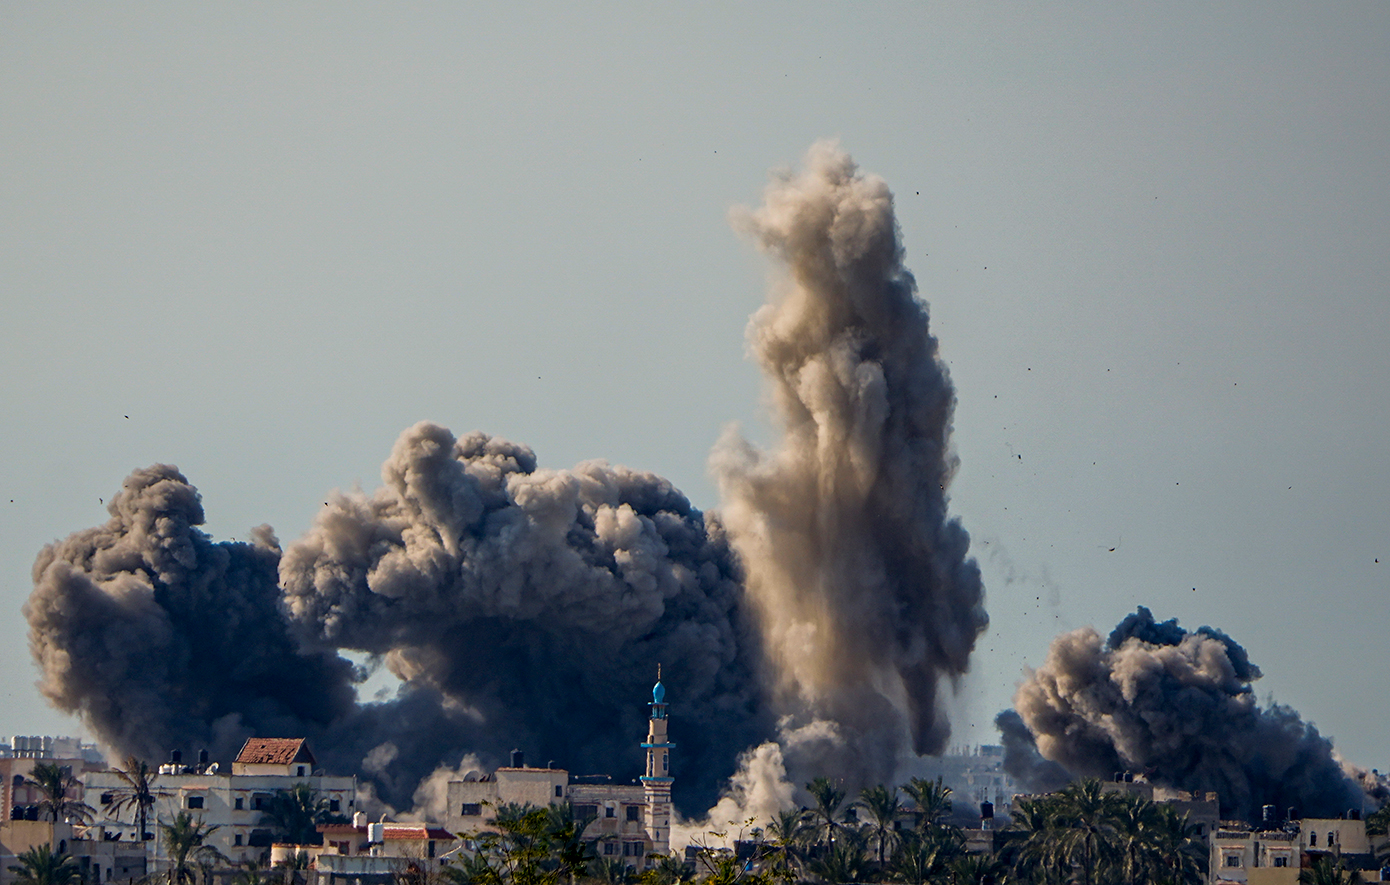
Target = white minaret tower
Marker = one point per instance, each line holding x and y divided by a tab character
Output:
657	782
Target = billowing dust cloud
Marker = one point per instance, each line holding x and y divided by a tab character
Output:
528	607
862	584
1179	707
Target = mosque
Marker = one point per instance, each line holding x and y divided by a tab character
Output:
632	821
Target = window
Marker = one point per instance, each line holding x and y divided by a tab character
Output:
1232	860
559	792
610	811
236	840
1329	839
665	763
107	798
334	804
1312	840
240	803
1281	861
471	809
299	771
608	847
194	802
634	812
585	812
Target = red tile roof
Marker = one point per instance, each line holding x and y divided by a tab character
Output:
275	751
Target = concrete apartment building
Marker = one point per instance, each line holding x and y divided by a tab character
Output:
233	801
631	821
1272	853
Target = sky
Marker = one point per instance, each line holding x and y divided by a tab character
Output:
258	241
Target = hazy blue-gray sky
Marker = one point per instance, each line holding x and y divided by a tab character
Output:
1153	239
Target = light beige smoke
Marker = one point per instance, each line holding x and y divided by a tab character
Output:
862	585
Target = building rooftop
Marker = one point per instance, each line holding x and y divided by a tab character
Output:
275	751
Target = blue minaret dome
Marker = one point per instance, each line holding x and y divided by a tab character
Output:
658	693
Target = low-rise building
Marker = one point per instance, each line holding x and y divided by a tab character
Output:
632	821
235	801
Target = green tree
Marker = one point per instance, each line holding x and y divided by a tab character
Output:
185	842
665	870
925	856
532	846
41	865
1179	855
1085	827
137	793
842	862
1328	871
976	869
933	801
56	785
294	870
825	816
1378	822
883	807
296	813
786	837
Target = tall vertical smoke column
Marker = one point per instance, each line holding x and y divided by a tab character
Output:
862	584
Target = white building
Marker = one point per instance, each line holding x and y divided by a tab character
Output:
632	821
233	801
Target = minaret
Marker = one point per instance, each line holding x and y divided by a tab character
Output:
657	782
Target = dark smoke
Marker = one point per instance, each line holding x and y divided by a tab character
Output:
862	583
161	638
529	607
1177	706
521	607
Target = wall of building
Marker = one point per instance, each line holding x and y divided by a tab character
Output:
233	803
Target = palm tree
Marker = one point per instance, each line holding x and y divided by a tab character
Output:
1085	819
471	870
825	817
137	793
1027	848
251	873
976	869
1180	855
922	857
185	841
787	834
883	807
609	871
843	862
292	869
55	782
1327	871
933	799
666	870
296	814
41	865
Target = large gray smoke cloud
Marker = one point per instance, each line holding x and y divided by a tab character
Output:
863	586
521	607
1177	706
529	607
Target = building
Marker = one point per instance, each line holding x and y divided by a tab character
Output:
19	797
100	862
234	801
632	821
362	852
1273	852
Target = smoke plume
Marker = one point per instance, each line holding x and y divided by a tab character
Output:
529	607
861	583
1177	706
